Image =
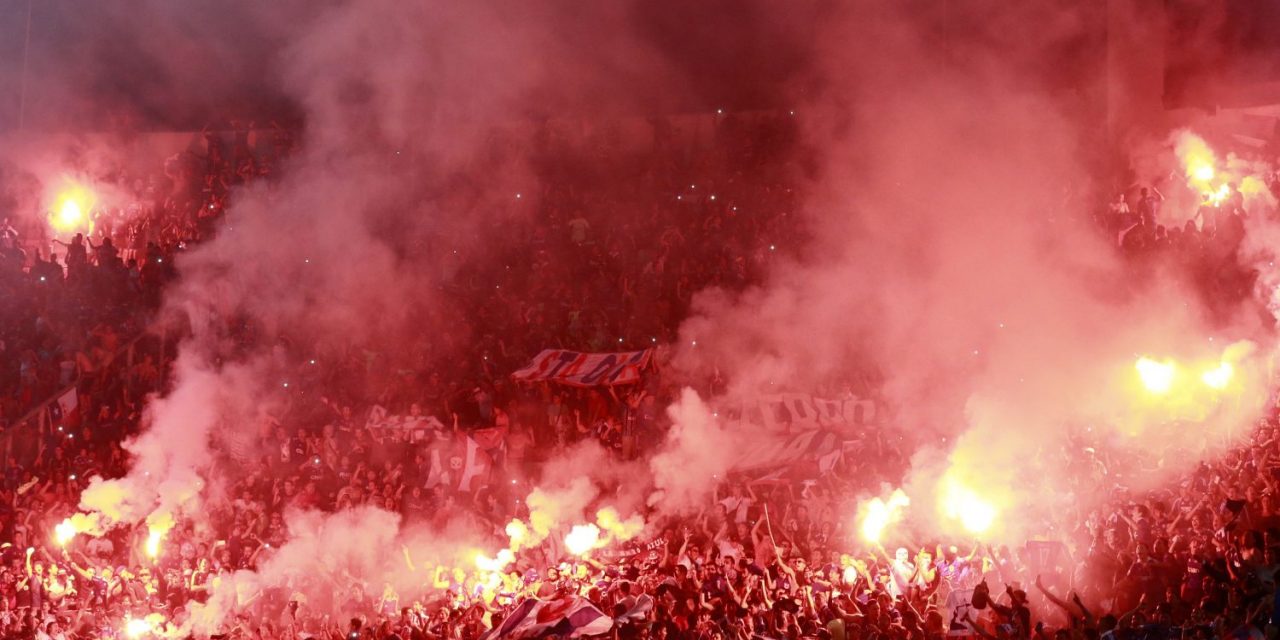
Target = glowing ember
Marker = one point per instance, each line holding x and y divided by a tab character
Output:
1157	377
878	514
1219	377
582	538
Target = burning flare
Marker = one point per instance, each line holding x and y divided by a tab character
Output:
76	524
157	526
153	623
582	539
70	211
961	503
1219	377
495	564
518	533
64	532
1157	377
878	514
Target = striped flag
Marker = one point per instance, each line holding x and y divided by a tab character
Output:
569	616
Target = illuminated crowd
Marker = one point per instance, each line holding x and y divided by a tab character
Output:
771	555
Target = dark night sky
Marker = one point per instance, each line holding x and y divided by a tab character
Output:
179	64
166	64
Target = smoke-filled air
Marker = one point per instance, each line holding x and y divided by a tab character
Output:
639	320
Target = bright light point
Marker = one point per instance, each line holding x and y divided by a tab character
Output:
879	514
135	627
1219	377
961	503
1157	377
313	362
713	196
64	532
70	210
1203	172
772	247
286	385
153	542
69	216
582	538
518	196
719	110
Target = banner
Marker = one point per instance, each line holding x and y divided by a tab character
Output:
792	412
419	426
568	616
813	449
586	369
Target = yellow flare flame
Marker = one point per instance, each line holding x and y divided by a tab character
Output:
137	627
618	529
517	532
64	532
1219	377
975	514
878	514
153	543
1157	377
582	538
498	563
70	213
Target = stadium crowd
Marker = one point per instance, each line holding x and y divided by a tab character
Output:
769	557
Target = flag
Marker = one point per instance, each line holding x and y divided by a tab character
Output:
459	465
475	464
68	406
569	616
637	612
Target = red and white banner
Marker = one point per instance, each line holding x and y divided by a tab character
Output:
586	369
795	412
568	616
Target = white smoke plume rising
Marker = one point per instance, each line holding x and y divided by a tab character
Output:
943	260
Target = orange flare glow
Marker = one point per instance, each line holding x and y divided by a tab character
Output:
879	514
582	538
1157	377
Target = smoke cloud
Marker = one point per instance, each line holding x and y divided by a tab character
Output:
945	260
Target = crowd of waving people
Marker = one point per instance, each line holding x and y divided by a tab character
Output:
768	557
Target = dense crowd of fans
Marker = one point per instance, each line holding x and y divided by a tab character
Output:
774	557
